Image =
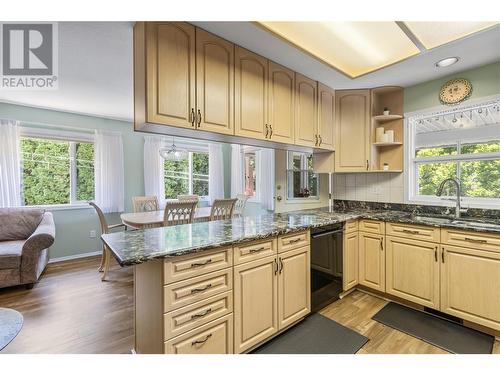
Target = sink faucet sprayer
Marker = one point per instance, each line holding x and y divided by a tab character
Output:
458	209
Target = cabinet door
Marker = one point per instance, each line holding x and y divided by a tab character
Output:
351	260
352	126
255	302
372	261
214	83
469	285
250	94
281	103
306	119
294	286
412	270
326	117
170	73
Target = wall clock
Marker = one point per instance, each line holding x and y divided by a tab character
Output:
455	91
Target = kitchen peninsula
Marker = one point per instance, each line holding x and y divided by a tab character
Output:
194	282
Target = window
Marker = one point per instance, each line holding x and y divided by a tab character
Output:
250	171
302	182
56	171
462	144
189	176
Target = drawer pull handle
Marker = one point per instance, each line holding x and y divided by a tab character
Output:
202	314
294	241
257	250
198	290
475	240
194	265
411	231
201	341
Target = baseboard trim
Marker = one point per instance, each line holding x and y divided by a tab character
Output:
76	256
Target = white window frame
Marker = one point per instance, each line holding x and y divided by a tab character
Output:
190	176
63	136
255	151
304	183
411	173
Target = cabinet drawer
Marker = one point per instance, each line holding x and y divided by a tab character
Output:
186	267
417	232
475	240
351	226
254	250
293	241
213	338
372	226
192	316
196	289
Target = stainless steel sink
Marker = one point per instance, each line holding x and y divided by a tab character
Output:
434	220
475	224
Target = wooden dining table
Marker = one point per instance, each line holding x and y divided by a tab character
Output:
151	219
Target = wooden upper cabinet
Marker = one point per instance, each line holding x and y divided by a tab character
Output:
305	110
352	125
214	83
170	72
326	117
251	74
281	109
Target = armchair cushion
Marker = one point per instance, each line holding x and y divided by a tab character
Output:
19	223
10	254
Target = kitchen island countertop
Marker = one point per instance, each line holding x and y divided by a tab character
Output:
134	247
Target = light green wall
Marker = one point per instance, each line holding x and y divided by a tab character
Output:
485	82
73	226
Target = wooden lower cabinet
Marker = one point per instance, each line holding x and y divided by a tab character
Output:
412	270
212	338
470	281
350	260
294	285
255	302
372	261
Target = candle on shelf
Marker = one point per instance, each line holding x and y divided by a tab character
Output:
390	135
379	134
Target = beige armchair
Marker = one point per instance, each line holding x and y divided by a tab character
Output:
25	238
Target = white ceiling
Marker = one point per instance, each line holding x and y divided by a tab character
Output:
96	70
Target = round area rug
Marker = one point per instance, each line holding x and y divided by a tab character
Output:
11	323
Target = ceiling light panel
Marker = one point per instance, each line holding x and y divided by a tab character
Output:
434	34
354	48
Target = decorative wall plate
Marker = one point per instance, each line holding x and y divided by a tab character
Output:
455	91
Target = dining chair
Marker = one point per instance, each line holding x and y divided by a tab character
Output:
241	202
187	197
222	209
179	212
145	204
106	252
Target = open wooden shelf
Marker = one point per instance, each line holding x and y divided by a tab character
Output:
382	144
385	118
390	97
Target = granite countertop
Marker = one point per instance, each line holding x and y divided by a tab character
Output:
139	246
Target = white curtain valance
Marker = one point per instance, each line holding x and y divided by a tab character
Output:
109	171
10	165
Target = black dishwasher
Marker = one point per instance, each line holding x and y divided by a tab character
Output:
326	265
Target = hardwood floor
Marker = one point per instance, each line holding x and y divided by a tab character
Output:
355	311
71	311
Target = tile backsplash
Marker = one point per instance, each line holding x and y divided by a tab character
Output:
372	187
